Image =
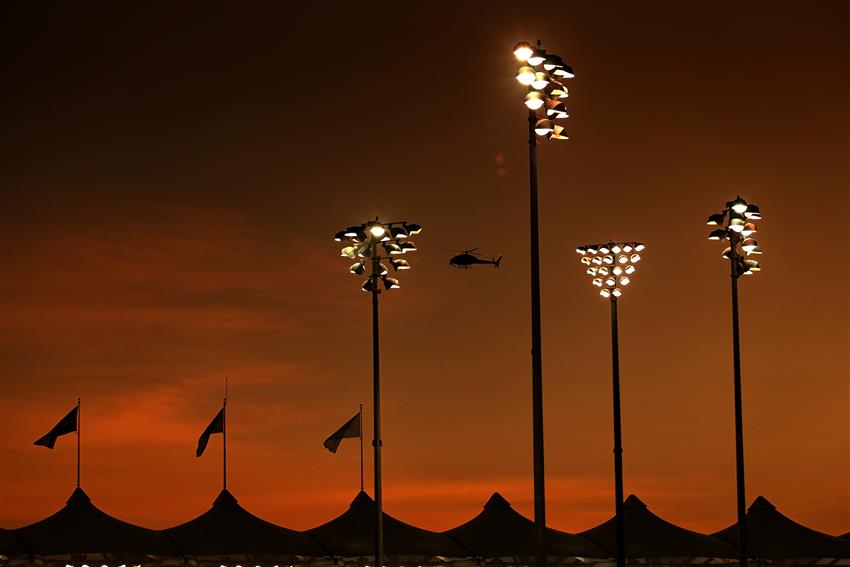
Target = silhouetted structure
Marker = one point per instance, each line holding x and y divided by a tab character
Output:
649	537
10	545
229	532
80	528
501	531
352	535
773	536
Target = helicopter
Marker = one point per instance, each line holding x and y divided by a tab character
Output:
467	258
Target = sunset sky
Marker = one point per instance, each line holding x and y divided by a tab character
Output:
173	175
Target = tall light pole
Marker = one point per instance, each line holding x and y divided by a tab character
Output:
612	265
737	227
538	73
368	244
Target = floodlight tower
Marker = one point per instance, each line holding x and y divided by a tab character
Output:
368	244
737	227
612	266
540	72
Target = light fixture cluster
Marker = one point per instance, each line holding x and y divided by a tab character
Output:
611	265
374	241
737	226
542	73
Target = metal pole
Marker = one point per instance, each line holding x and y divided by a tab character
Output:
376	389
361	447
224	441
739	419
79	422
618	441
536	358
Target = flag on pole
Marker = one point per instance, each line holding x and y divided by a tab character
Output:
215	426
67	424
350	430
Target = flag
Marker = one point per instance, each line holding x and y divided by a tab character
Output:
67	424
347	431
215	426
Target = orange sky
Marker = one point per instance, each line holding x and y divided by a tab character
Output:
172	182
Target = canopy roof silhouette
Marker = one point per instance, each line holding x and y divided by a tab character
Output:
82	528
352	534
648	536
10	545
228	529
773	535
500	531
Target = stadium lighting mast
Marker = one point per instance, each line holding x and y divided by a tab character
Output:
368	244
542	73
612	266
735	225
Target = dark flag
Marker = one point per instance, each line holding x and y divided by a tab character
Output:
349	430
215	426
67	424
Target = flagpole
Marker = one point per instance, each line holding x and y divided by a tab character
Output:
78	442
361	447
224	436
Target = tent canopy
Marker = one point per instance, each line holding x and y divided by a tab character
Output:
81	528
352	534
648	536
228	529
773	535
500	531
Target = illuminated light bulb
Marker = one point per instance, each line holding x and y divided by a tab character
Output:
749	228
541	79
605	293
552	62
727	253
413	229
592	249
565	71
753	265
556	89
617	292
391	248
525	75
591	271
624	280
630	270
390	283
623	259
617	270
738	205
597	282
616	249
608	259
398	232
382	270
407	246
627	248
755	250
639	246
352	231
610	281
603	271
523	50
349	251
634	258
716	219
544	127
752	212
357	268
536	58
377	230
604	249
340	236
585	260
557	133
717	234
399	264
534	100
556	109
364	251
581	250
737	227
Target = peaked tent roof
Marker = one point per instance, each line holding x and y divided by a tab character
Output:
229	529
352	534
10	545
773	535
500	531
649	536
80	527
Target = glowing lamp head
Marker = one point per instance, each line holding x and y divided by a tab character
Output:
591	271
413	229
716	219
603	270
639	246
605	292
597	282
357	268
523	50
390	283
585	260
630	269
536	58
557	133
534	100
340	236
399	264
377	230
623	259
603	249
738	205
525	76
544	127
752	212
717	234
541	79
616	249
634	258
608	259
565	71
624	280
581	250
610	282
